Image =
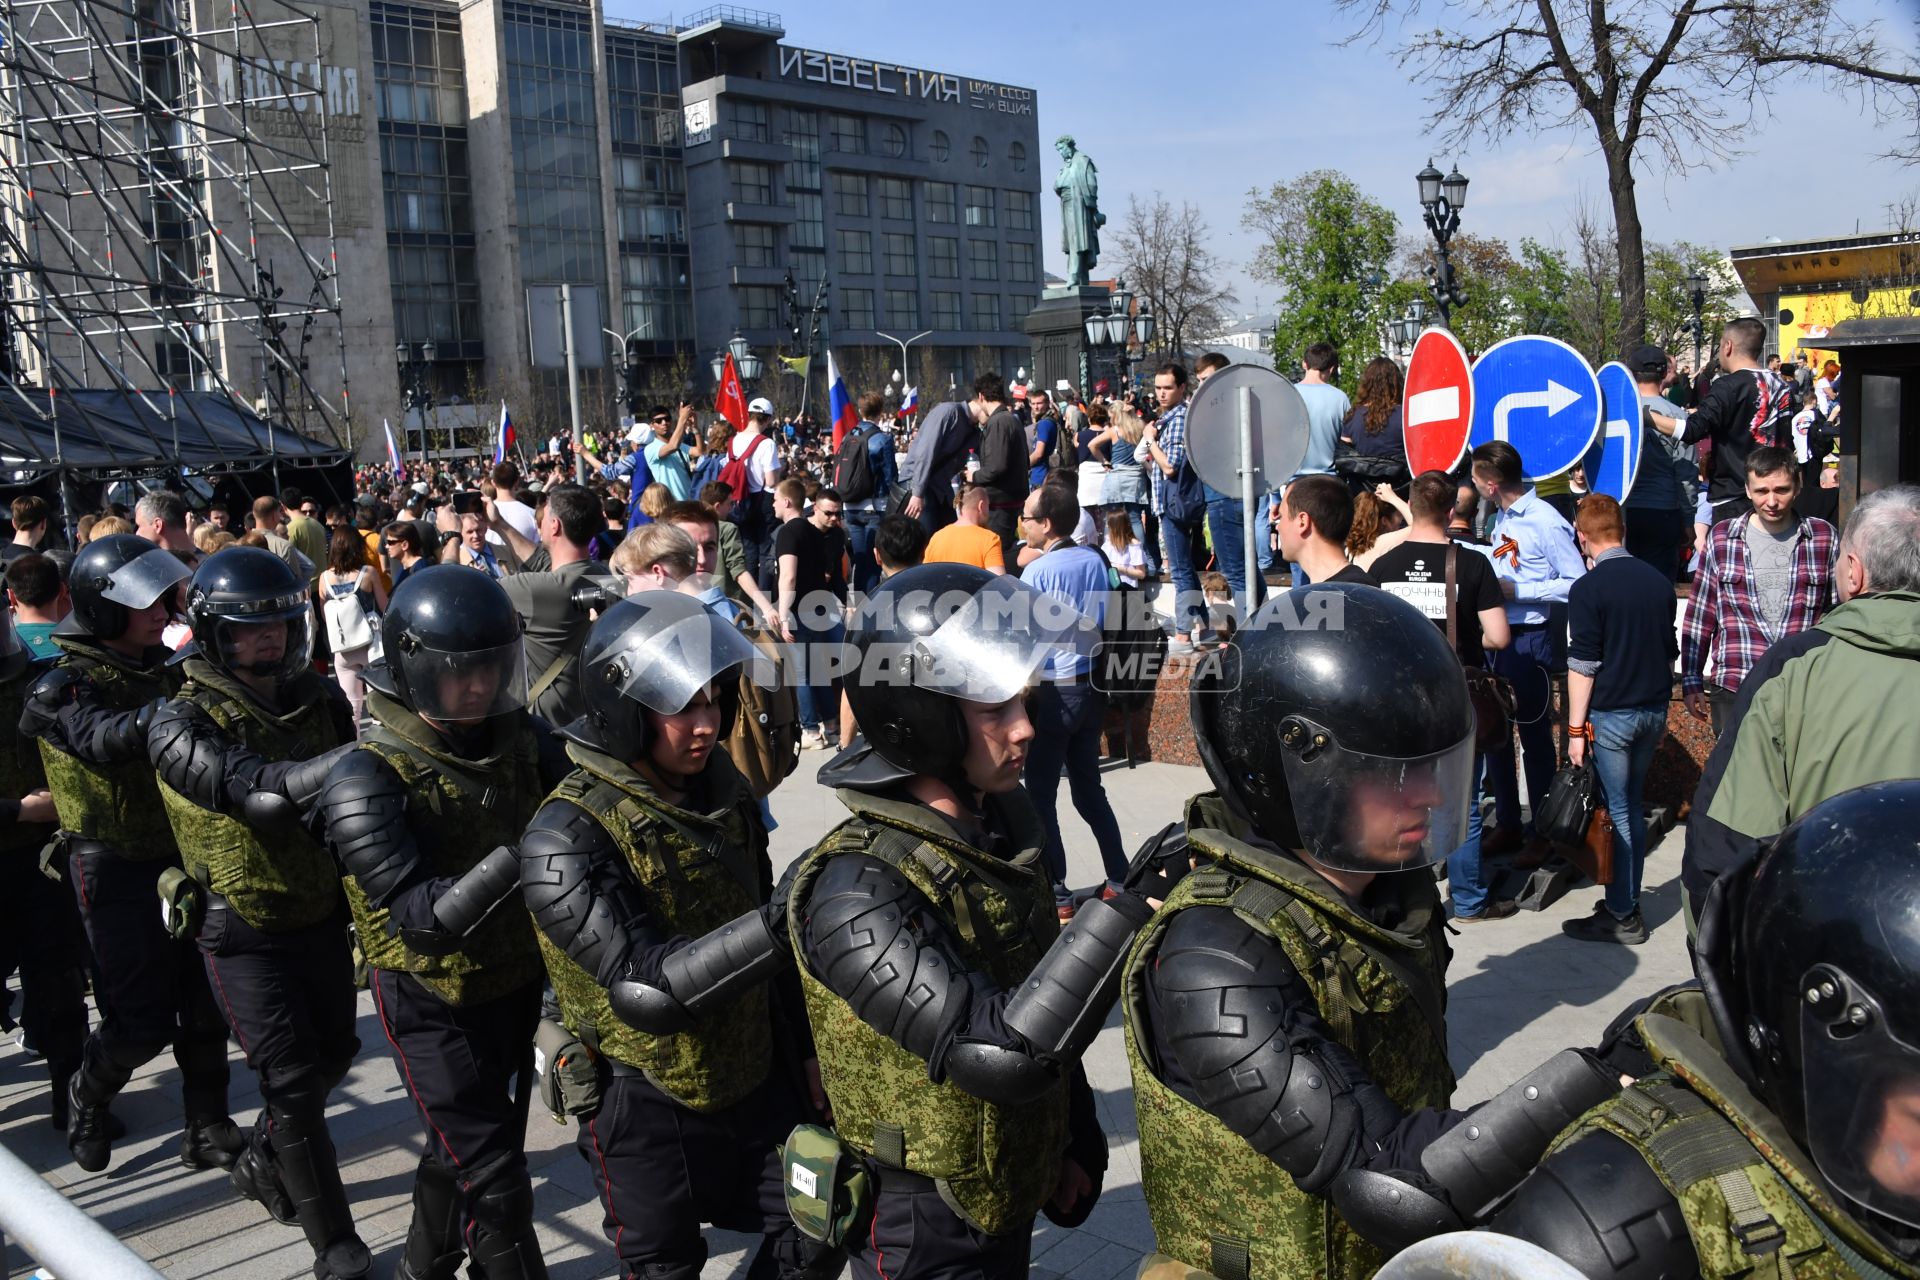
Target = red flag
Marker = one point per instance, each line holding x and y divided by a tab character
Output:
731	402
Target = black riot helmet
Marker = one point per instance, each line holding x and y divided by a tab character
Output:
934	636
1338	722
453	649
654	651
1810	957
115	574
242	589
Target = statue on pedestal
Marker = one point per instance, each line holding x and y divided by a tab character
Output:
1080	218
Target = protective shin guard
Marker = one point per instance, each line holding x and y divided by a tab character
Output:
434	1248
257	1177
95	1085
500	1201
304	1153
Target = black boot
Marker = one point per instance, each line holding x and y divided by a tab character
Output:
257	1177
500	1201
434	1248
211	1142
303	1151
94	1086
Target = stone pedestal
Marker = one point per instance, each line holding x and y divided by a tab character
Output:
1058	326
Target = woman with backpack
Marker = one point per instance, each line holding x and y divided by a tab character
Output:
352	600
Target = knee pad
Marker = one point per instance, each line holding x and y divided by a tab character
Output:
500	1194
299	1106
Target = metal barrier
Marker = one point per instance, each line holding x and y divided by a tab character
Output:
1475	1255
57	1233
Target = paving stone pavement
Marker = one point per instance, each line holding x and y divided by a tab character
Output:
1519	990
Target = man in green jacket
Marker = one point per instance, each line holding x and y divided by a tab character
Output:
1824	710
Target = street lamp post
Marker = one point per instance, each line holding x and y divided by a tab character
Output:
1697	295
900	375
1442	198
804	324
745	363
629	369
1119	328
416	384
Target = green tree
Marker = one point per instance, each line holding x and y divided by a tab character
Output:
1482	266
1537	291
1670	306
1329	246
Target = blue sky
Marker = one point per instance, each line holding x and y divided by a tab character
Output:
1202	113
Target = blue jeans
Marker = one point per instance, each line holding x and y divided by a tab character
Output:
814	691
1624	741
1229	547
1067	719
862	526
1527	663
1464	885
1183	543
1263	543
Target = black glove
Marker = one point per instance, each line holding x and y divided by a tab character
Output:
1621	1049
1160	863
774	912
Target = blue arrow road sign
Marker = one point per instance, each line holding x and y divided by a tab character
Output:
1614	460
1538	395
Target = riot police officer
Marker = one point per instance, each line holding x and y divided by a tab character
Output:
1284	1008
91	714
454	766
652	841
250	737
948	1008
39	925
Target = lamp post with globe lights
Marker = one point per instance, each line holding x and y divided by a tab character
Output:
416	385
1442	199
1117	330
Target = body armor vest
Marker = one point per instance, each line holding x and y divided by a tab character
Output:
695	872
293	882
458	811
116	804
1216	1203
1752	1203
994	1165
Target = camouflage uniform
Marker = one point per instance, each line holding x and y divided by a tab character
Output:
1377	982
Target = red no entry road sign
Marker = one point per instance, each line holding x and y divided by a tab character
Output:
1438	411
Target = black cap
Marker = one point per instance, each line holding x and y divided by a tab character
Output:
1647	361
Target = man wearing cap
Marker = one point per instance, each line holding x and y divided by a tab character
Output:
754	512
631	466
1659	510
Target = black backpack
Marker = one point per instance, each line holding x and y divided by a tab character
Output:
853	465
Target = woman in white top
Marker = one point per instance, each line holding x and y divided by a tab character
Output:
1123	550
1126	479
347	574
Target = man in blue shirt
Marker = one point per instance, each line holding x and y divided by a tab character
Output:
666	453
1327	407
863	506
1041	433
631	466
1067	710
1536	561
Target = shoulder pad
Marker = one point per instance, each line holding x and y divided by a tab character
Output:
188	751
1240	985
56	686
579	912
1599	1207
358	769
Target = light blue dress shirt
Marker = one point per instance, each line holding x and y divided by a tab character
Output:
1533	548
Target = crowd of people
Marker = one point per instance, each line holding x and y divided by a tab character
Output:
497	747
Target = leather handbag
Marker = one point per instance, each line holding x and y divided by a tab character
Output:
1567	813
1491	695
1185	501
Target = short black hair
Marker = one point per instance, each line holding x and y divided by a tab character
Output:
991	386
1058	507
1748	335
900	542
1321	357
578	512
34	580
1770	460
1325	500
1177	372
1501	461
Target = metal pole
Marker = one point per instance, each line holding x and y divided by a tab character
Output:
1247	505
57	1234
573	384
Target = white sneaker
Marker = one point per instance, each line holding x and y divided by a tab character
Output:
813	740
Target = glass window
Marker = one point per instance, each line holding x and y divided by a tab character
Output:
751	121
809	224
940	147
893	139
856	252
943	258
849	132
903	309
980	206
898	248
759	306
946	310
809	269
1017	156
983	257
979	149
856	308
1019	210
896	199
803	136
753	245
942	204
850	195
1018	305
751	181
1020	262
986	311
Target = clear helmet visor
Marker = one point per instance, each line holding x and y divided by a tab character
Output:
144	579
662	647
991	647
276	644
1360	812
465	686
1862	1087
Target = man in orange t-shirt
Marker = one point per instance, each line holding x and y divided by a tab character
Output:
968	541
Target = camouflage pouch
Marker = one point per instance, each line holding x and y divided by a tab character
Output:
829	1193
569	1073
181	904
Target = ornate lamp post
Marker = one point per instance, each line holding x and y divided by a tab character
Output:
416	385
1116	330
1442	199
745	363
1697	295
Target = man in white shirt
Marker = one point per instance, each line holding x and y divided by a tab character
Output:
754	512
506	478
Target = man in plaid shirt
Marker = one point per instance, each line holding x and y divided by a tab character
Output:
1166	441
1766	574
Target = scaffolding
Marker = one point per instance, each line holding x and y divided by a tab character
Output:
167	234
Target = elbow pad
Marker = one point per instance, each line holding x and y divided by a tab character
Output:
700	977
1474	1166
1597	1206
472	899
364	806
1058	1010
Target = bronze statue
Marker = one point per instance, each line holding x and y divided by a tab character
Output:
1080	218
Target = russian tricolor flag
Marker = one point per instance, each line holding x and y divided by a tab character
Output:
393	449
503	439
839	404
909	401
